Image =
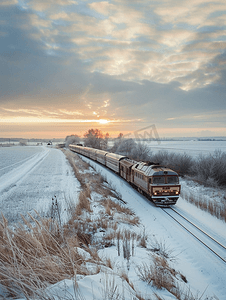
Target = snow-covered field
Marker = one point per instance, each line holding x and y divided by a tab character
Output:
192	147
30	177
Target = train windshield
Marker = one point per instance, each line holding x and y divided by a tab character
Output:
172	179
158	180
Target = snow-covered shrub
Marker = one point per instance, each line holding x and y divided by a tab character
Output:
162	157
158	273
203	168
72	139
141	151
132	149
117	142
84	202
126	147
212	182
181	163
211	169
219	170
161	275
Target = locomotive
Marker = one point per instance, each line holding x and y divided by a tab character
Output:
159	184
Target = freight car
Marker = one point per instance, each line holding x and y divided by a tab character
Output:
157	183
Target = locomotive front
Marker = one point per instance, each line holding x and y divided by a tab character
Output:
164	187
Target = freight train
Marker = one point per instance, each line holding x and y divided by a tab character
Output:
159	184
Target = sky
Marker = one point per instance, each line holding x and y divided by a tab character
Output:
67	66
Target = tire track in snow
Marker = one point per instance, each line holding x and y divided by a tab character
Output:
46	176
10	179
23	160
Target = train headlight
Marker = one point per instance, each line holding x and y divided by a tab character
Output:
155	193
177	192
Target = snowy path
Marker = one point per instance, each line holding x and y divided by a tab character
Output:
31	180
204	271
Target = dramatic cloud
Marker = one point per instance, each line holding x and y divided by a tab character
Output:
149	61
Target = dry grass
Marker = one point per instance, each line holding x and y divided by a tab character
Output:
42	251
160	275
130	220
112	206
84	202
158	297
142	239
124	214
110	289
160	248
215	208
32	259
108	262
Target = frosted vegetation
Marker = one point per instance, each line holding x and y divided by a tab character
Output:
47	258
206	170
44	251
209	170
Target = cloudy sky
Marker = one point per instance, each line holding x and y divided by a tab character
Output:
121	65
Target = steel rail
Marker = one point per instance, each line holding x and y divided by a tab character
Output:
200	229
224	260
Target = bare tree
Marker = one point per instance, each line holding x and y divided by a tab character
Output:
141	152
211	169
72	139
126	146
117	142
96	139
181	163
120	136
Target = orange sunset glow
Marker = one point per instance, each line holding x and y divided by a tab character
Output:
118	66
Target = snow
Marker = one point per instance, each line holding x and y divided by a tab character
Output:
93	287
15	156
191	147
212	225
35	175
205	272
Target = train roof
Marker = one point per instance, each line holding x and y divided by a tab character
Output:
103	152
75	146
90	149
153	170
115	156
127	162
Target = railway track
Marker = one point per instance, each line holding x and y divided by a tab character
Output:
211	243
